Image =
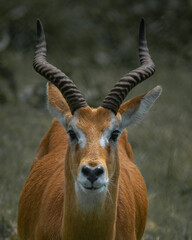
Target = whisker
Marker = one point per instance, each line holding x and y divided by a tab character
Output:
109	194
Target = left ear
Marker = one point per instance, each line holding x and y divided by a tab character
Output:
57	104
134	110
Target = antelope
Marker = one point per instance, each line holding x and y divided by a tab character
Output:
83	183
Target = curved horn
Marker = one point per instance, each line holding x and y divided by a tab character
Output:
131	79
66	86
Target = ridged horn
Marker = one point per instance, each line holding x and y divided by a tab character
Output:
131	79
66	86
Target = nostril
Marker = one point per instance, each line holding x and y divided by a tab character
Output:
86	170
99	171
92	173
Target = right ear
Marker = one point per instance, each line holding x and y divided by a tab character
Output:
57	105
134	110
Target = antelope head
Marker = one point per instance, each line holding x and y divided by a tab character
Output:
92	157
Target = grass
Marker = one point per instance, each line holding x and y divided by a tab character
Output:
161	145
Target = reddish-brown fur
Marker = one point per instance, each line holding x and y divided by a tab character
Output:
47	206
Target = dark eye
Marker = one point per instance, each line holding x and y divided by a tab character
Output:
72	135
114	135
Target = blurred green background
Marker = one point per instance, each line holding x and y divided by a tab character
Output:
95	43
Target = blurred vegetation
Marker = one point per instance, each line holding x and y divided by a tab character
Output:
95	43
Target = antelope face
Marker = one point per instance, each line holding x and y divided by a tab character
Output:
93	136
93	139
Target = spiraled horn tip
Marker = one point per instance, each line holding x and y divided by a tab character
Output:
142	20
40	32
142	30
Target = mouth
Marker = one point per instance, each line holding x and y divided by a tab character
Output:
92	188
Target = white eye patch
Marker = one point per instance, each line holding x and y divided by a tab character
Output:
114	125
79	133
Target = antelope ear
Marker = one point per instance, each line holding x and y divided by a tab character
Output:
134	110
57	104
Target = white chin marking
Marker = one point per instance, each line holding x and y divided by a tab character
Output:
90	199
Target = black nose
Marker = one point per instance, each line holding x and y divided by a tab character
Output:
92	173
